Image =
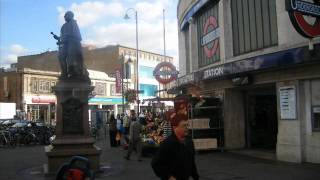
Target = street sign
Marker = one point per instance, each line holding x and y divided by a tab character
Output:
165	72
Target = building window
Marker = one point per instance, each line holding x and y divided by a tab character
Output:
127	74
316	118
146	72
187	45
315	104
5	83
34	85
53	83
148	89
112	89
44	86
208	31
254	25
100	88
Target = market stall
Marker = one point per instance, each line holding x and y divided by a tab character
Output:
155	124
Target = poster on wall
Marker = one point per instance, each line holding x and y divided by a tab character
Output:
288	106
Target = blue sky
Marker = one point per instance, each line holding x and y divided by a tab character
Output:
26	25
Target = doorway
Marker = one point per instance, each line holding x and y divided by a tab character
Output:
262	121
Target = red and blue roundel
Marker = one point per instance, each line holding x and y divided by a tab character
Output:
210	38
297	10
165	72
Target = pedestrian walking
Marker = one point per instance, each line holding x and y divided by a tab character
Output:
134	136
175	159
112	130
119	130
126	126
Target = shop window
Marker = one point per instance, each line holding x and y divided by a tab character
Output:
254	25
208	33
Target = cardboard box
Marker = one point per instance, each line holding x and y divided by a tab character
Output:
199	123
205	144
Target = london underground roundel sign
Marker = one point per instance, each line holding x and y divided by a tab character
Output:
299	10
165	72
210	38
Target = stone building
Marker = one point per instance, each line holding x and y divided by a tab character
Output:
249	54
32	91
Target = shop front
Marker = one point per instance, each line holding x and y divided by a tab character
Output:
111	104
41	108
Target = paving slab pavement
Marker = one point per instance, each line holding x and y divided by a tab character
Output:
26	162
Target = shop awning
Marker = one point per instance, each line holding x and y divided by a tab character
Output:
43	99
106	101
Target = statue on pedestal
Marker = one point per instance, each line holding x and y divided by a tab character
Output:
70	50
72	91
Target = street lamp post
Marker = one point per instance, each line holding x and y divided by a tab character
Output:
123	74
137	50
122	90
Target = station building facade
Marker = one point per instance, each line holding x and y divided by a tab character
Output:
249	54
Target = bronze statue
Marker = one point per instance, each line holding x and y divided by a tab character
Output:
70	50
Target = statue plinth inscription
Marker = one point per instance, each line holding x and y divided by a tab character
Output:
72	92
71	113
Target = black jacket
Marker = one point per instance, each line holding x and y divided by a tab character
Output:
175	159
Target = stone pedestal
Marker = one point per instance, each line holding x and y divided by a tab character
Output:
72	127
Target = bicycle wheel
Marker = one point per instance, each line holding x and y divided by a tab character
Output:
3	141
27	139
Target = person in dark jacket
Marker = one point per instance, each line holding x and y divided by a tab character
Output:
113	130
175	159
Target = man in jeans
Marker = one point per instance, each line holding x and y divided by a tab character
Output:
134	136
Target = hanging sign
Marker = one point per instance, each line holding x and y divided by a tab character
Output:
165	72
118	80
299	10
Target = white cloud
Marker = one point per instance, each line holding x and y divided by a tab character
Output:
10	55
150	35
17	49
101	31
87	13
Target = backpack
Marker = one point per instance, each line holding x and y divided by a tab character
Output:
77	169
75	174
